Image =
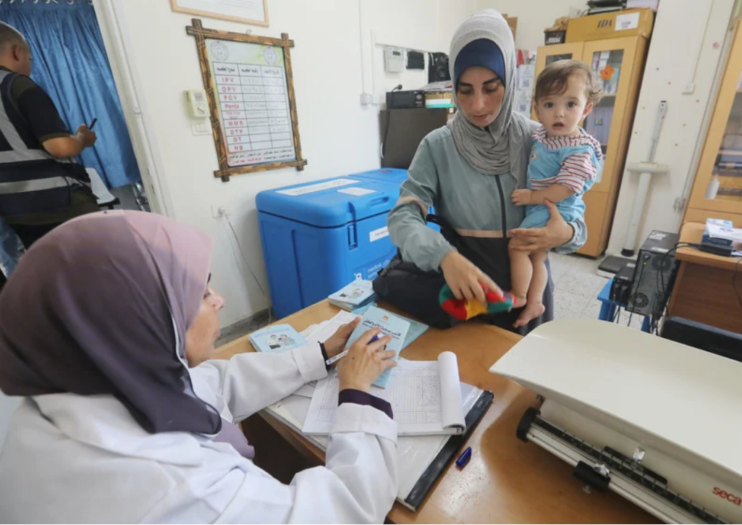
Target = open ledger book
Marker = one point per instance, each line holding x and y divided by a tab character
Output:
425	397
420	459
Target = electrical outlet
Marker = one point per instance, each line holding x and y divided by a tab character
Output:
689	89
218	211
367	99
201	126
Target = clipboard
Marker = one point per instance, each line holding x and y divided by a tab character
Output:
447	454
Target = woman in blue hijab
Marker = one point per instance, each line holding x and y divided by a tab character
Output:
469	169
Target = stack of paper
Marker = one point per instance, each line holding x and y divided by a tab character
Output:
278	338
425	398
356	295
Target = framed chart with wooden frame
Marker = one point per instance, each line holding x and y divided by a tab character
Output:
250	89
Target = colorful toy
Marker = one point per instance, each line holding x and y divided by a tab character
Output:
463	310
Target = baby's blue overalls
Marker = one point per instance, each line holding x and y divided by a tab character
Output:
546	163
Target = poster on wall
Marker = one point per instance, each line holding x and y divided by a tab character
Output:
254	12
249	84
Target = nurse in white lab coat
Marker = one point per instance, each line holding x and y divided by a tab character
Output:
106	329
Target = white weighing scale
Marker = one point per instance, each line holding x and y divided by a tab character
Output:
655	421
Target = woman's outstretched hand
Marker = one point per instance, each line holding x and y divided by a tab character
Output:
465	279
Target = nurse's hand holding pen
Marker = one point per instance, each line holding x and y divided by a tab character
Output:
365	360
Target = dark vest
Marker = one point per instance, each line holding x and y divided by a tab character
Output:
31	180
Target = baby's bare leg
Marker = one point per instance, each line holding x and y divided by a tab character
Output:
540	279
521	271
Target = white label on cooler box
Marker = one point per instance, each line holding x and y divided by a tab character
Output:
358	192
630	21
296	192
379	234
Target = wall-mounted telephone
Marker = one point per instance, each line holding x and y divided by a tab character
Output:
198	105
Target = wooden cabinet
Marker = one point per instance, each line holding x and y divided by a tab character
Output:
619	65
717	190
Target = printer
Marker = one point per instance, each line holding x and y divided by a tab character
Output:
655	421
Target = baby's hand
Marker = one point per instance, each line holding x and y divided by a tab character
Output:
522	197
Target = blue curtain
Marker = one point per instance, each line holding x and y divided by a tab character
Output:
70	63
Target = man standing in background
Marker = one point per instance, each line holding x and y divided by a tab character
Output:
41	186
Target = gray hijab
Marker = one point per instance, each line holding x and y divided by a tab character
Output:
498	148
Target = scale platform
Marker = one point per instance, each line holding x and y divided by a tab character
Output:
655	421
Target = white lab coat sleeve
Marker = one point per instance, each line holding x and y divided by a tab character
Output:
252	381
357	485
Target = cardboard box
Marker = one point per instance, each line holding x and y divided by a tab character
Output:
512	22
554	37
617	24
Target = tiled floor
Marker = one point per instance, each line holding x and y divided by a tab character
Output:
576	288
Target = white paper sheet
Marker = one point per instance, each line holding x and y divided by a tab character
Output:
629	21
307	390
414	453
327	329
723	232
425	398
314	188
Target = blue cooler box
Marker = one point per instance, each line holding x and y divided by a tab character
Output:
320	236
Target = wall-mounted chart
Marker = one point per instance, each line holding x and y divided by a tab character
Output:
249	84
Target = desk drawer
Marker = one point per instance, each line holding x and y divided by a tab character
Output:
706	294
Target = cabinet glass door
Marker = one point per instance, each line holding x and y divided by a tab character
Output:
549	54
718	183
606	66
611	62
550	59
726	176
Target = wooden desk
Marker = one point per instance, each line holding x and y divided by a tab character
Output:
506	480
704	288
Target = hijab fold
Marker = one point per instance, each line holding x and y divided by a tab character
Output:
495	149
91	310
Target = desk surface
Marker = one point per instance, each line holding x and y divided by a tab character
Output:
506	480
693	232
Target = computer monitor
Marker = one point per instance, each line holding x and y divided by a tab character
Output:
402	130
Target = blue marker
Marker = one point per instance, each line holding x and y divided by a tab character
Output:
464	458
